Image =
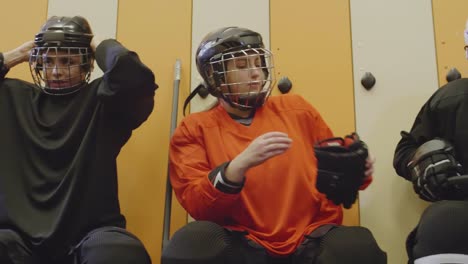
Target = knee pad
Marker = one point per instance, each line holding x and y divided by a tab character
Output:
443	258
111	245
343	244
198	242
442	229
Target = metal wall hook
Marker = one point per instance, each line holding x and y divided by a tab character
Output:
452	75
284	85
368	80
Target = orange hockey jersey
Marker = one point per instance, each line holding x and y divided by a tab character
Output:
279	202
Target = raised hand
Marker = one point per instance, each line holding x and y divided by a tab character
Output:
259	150
18	55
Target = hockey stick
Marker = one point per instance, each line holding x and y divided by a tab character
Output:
168	203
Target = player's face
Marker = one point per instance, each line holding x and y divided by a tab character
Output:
62	69
245	74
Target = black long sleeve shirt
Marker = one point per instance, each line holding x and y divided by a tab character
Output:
58	175
444	115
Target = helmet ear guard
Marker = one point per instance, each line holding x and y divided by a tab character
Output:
213	79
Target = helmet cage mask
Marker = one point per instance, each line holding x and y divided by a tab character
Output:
73	63
259	89
62	60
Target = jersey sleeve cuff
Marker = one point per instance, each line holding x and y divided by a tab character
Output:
220	182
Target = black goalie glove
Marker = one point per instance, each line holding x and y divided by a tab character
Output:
432	169
341	168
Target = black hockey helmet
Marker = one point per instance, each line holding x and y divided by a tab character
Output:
64	32
64	39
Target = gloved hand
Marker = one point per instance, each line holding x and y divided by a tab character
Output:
341	168
431	166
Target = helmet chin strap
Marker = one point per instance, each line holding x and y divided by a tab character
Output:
63	91
236	110
247	102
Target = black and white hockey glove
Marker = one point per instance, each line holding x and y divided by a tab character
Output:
432	167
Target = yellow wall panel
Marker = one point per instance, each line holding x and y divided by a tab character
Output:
21	20
449	23
311	42
160	31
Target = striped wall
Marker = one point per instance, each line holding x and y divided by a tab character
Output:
323	47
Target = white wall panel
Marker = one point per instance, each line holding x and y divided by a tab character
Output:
394	40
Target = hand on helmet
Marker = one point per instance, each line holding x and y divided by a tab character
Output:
18	55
